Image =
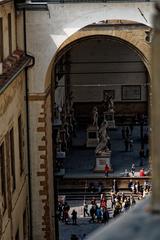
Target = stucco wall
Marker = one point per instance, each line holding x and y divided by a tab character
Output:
11	106
47	30
104	64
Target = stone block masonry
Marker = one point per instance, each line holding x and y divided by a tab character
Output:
43	175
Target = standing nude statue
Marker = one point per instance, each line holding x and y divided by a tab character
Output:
95	116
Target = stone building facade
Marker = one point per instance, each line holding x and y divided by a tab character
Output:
14	198
26	114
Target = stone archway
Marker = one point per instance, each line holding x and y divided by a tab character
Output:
134	39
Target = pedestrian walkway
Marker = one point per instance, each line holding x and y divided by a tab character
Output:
81	160
83	226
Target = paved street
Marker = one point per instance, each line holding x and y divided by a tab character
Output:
83	226
81	161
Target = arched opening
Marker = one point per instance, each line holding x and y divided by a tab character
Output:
84	72
89	70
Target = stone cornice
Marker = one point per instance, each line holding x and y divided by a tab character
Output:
12	68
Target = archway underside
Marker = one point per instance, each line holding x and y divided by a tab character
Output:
78	65
67	52
133	37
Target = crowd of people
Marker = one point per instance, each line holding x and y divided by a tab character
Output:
101	211
137	188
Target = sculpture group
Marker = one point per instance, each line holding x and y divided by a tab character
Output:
98	137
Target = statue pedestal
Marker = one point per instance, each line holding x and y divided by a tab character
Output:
109	117
57	123
92	136
60	154
101	161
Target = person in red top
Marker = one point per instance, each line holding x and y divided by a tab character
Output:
141	173
103	202
106	170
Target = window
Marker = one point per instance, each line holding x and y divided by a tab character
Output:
3	177
20	143
1	39
131	92
12	156
10	33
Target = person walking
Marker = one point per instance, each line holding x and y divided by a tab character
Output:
103	201
133	169
114	186
131	145
85	210
74	217
99	215
141	155
106	170
105	216
141	173
92	214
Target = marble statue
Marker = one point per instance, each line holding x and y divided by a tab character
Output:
57	112
102	146
108	103
95	116
111	104
58	141
103	130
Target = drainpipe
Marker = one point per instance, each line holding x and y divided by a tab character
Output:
27	126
